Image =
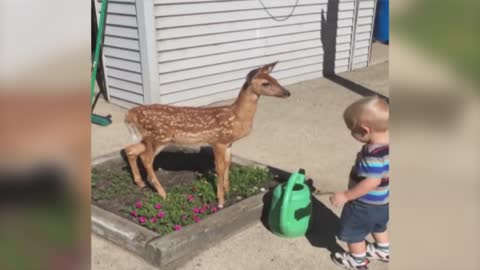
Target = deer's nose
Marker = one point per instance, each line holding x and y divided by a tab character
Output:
286	92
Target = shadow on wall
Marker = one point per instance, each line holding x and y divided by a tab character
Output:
329	39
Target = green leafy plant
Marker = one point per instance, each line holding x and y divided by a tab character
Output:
185	204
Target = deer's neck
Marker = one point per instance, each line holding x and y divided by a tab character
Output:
246	104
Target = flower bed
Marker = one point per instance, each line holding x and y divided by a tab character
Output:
191	194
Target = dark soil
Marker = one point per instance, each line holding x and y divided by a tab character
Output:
113	188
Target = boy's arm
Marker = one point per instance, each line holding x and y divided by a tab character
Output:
355	192
362	188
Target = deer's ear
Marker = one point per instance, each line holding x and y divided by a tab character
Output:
268	68
252	75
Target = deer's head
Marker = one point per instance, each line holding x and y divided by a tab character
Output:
262	83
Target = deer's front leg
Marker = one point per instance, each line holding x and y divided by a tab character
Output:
147	159
132	152
226	177
220	165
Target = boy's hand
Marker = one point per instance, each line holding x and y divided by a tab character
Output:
338	199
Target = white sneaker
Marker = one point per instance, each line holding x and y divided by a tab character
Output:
375	253
346	260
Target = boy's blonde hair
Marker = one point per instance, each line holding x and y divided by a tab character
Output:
371	111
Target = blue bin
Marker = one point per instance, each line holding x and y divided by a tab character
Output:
382	28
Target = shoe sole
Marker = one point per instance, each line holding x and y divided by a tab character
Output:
377	259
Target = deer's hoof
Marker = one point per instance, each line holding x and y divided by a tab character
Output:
163	195
140	184
220	205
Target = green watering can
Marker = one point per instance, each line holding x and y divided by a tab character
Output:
291	207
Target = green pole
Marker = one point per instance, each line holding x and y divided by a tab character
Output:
101	23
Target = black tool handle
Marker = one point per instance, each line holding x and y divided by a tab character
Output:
301	171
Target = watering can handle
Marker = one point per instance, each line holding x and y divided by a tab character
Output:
295	178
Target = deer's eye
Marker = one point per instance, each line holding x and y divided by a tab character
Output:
265	84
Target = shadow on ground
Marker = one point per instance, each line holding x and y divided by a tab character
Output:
324	224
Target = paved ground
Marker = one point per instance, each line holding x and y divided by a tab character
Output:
306	131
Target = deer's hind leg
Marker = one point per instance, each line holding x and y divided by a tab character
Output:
147	158
133	151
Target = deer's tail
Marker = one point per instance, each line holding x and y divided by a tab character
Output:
131	122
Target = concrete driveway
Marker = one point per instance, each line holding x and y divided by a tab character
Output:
306	131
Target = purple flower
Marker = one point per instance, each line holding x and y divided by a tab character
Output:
133	213
190	198
213	209
196	219
138	204
196	210
161	214
153	219
142	219
177	227
158	206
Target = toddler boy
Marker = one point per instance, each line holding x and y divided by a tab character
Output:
366	200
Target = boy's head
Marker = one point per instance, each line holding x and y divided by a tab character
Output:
367	117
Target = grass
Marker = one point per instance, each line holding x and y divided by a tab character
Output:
185	204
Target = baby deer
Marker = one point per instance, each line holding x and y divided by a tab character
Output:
155	126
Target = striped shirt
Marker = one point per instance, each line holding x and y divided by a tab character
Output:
372	162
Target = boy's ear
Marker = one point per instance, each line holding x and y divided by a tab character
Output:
365	129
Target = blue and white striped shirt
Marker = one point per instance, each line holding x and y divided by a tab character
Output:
372	162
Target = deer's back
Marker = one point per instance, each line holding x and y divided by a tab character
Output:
182	125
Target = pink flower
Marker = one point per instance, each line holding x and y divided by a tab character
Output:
202	210
138	204
213	209
196	219
134	213
161	214
177	227
206	206
142	219
158	206
191	198
153	219
196	210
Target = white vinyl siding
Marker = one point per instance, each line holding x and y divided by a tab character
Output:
205	48
199	51
122	52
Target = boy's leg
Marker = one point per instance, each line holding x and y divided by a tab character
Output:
353	230
357	248
381	238
380	250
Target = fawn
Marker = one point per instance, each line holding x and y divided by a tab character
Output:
154	126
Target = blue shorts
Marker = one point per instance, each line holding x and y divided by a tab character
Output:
359	220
